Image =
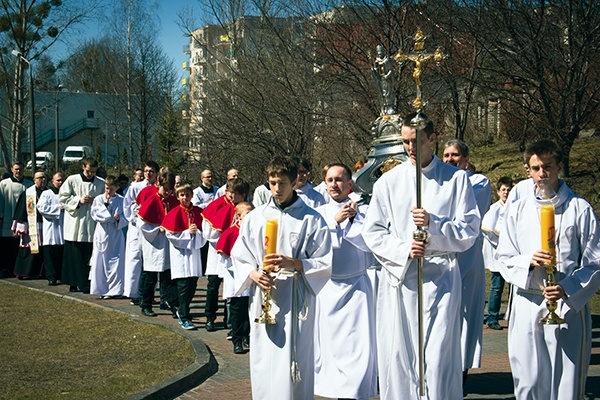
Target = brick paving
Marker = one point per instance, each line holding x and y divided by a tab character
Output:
232	380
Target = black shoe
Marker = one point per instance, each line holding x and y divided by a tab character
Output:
246	342
52	282
164	305
237	347
73	289
148	312
134	302
230	335
210	325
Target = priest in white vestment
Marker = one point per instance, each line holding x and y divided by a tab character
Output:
345	347
472	269
550	362
76	196
282	357
450	217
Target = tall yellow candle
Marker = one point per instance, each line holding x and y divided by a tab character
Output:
547	224
271	236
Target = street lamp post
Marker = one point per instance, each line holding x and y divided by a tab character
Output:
56	129
31	109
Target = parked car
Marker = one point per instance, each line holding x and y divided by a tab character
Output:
43	160
75	154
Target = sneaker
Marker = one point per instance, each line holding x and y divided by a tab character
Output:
187	324
495	326
134	302
229	335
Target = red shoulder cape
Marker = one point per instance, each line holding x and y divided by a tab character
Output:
219	213
145	193
227	240
180	218
153	208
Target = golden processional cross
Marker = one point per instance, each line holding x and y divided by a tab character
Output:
419	57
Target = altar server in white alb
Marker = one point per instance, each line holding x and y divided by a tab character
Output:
133	247
282	357
52	225
472	270
345	348
550	362
449	214
107	262
304	187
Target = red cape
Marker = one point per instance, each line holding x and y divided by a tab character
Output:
180	218
219	213
154	208
227	240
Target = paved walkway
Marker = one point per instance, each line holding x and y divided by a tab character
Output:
232	380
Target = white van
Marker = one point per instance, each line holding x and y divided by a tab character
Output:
43	160
75	154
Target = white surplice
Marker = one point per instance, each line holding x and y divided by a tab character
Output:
491	224
454	223
184	253
78	224
133	246
10	190
550	362
345	346
282	357
201	198
310	196
107	262
472	272
53	216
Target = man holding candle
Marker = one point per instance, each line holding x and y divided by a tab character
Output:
550	361
450	217
282	356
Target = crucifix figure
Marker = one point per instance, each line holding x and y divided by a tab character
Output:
418	56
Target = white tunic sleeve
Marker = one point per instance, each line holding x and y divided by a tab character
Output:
186	241
46	205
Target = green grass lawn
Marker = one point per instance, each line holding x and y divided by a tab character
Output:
54	348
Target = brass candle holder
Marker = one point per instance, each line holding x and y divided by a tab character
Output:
551	318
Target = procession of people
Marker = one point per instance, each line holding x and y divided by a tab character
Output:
339	299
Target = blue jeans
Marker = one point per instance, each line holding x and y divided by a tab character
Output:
495	298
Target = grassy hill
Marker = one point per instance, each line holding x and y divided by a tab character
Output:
495	161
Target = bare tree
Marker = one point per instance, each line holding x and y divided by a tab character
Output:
542	58
29	28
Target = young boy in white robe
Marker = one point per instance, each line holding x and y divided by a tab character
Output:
238	304
107	261
491	224
550	361
282	356
182	228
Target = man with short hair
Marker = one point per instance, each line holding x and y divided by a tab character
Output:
470	262
206	192
10	190
345	313
284	351
550	361
27	226
76	197
133	247
52	227
231	174
449	216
